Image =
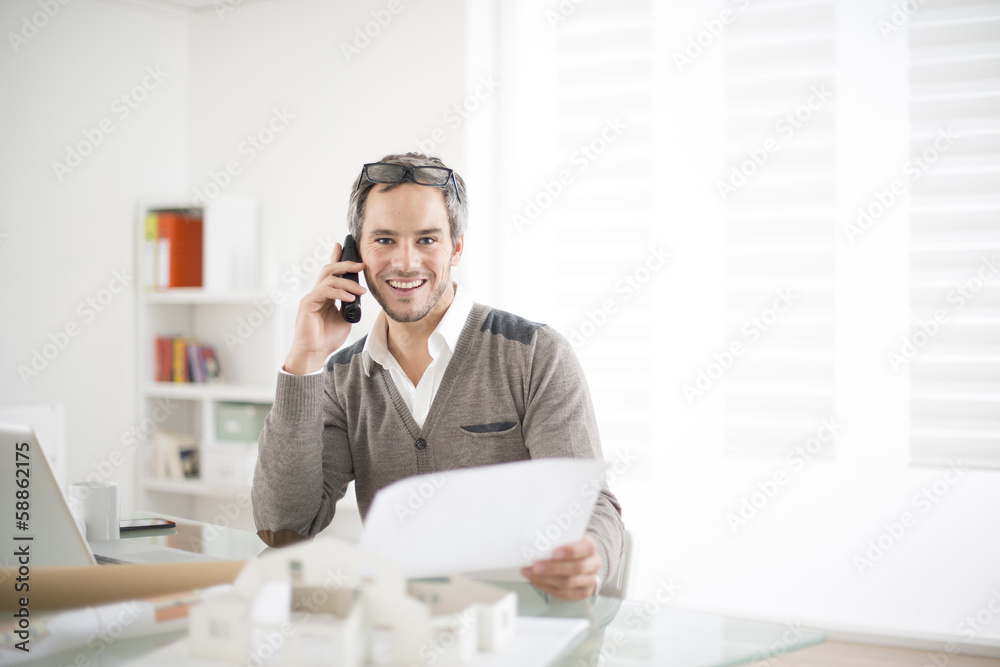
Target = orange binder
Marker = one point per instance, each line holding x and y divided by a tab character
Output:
182	232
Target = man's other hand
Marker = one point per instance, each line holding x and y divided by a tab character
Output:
571	573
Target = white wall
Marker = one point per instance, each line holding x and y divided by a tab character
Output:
63	241
288	56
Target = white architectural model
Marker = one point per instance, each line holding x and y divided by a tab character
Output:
328	602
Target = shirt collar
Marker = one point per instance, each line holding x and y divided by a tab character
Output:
446	333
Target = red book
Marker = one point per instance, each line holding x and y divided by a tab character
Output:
163	346
181	232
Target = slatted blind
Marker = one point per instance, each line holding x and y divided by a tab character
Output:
779	186
782	201
582	75
603	80
954	352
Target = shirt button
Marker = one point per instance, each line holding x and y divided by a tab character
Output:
420	443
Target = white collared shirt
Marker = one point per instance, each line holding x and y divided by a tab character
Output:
441	345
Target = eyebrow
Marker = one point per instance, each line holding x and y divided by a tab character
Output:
420	232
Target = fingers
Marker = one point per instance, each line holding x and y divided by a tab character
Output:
330	284
574	581
333	287
565	568
571	573
576	587
327	292
569	559
567	579
568	592
580	549
337	268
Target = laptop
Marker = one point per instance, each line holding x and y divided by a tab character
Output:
37	522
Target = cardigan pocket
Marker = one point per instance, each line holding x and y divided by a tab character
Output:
493	442
495	428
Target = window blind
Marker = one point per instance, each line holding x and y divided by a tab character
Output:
953	346
779	186
603	101
577	198
787	189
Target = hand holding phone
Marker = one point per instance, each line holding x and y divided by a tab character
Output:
326	313
351	310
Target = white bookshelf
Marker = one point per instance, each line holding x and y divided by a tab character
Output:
249	356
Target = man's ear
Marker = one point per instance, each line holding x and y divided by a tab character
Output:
456	252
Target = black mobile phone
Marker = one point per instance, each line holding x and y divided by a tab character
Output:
135	525
352	309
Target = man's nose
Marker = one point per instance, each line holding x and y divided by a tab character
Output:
406	258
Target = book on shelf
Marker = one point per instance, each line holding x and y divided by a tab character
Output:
149	252
180	367
185	359
190	462
175	455
173	249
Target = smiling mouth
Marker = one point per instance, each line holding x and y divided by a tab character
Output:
405	284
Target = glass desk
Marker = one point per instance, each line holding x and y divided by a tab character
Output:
202	538
648	632
631	632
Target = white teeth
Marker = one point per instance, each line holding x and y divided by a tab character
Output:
410	285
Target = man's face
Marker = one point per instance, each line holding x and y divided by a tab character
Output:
407	249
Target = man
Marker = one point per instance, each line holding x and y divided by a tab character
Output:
440	383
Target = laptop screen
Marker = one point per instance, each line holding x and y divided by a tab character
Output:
37	529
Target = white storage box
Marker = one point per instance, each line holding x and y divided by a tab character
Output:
228	463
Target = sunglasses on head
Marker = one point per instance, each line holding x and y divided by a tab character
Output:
386	172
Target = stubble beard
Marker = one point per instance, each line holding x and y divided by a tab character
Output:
376	290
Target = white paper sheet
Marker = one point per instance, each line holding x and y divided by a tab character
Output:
487	518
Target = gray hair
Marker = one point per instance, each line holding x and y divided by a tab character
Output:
457	206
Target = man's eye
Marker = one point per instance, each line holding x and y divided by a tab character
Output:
383	241
427	240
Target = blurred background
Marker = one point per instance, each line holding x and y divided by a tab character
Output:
769	228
